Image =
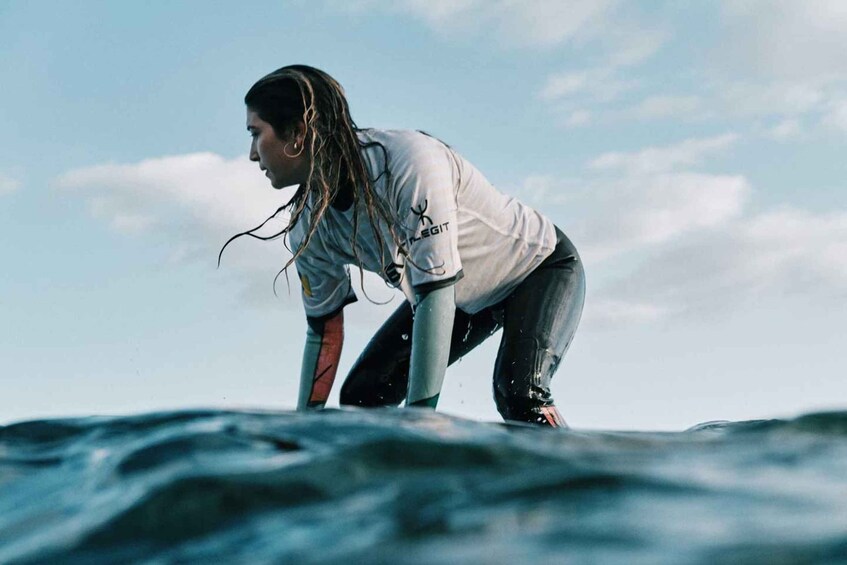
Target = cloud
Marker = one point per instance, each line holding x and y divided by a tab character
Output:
658	159
607	312
744	98
8	185
632	214
781	60
544	190
786	251
837	115
784	38
192	203
578	118
217	194
535	23
660	106
619	30
785	130
601	85
560	85
669	243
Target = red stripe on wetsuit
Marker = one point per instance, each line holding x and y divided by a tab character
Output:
327	365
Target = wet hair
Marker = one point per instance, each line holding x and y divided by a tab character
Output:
300	94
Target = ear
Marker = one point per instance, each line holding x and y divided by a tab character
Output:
300	133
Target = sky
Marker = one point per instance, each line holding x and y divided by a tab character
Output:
694	152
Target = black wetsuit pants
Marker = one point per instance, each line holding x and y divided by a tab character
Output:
539	319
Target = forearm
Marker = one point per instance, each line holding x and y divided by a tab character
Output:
431	332
321	355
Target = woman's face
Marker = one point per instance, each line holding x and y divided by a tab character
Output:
272	153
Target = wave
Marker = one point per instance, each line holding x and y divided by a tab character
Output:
415	486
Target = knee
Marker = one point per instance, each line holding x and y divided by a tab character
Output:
512	404
522	386
368	389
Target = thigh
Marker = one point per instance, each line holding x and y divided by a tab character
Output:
540	319
380	376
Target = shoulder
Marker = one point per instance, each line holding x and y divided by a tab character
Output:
403	147
297	233
297	237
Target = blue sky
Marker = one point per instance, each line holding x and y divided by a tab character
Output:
694	152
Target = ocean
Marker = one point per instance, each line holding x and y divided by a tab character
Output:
393	486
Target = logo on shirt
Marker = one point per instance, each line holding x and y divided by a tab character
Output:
392	274
429	232
433	229
422	218
307	288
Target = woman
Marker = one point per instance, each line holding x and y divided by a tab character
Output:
406	206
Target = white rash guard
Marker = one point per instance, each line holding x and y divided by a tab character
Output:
457	228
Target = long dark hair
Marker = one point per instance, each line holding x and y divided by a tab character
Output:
300	94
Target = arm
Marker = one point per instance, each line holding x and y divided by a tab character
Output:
431	332
324	338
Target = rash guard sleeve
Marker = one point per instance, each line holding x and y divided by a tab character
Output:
427	211
431	333
325	284
321	354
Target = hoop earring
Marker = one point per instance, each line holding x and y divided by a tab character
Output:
285	150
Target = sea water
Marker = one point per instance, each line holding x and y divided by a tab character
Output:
414	486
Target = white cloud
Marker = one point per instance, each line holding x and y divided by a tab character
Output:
601	85
668	243
578	118
635	44
619	30
639	212
605	313
559	85
197	191
536	23
781	252
744	98
778	59
685	245
793	246
538	190
193	203
782	59
8	185
441	12
785	38
659	106
837	115
785	130
657	159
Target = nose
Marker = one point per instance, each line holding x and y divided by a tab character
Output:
254	155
